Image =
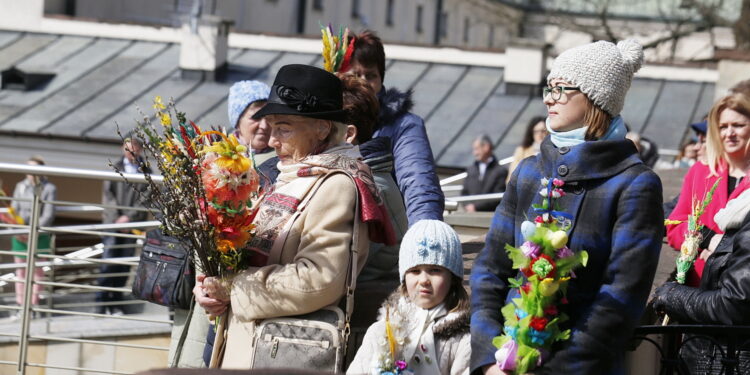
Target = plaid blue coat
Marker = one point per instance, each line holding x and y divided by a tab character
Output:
617	205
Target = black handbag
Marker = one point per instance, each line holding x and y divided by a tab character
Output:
165	273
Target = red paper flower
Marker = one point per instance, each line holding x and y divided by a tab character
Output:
550	310
538	323
526	288
543	266
527	271
564	301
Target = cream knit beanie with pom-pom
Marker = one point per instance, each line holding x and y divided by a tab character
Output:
602	70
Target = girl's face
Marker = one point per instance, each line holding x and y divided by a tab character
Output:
734	130
427	285
295	137
567	113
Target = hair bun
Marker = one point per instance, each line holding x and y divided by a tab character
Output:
632	53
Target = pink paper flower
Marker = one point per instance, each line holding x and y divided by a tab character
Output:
401	365
506	356
531	249
564	252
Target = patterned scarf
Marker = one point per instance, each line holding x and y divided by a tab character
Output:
296	180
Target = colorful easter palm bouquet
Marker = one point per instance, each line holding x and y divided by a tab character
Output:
532	322
388	360
209	185
337	49
693	237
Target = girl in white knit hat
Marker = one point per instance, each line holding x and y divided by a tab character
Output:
611	206
423	328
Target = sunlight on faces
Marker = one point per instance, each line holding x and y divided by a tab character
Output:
295	137
567	113
734	129
254	132
427	285
368	73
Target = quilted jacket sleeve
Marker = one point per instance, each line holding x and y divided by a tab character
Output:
415	171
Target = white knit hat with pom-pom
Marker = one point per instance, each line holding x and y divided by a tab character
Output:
602	70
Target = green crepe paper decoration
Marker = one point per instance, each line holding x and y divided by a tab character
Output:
516	255
528	357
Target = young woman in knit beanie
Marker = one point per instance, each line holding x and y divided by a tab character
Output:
615	202
423	326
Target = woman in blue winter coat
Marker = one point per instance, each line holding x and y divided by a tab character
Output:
413	163
616	204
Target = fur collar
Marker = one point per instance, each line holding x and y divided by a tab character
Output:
456	323
393	104
453	324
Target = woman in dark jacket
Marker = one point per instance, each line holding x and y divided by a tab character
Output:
723	296
615	201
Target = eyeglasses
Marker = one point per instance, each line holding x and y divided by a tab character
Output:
557	91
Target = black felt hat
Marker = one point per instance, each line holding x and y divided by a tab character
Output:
305	90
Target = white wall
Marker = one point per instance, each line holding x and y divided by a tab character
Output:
280	17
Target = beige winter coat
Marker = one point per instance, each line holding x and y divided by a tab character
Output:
310	274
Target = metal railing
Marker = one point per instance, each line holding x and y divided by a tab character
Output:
61	258
451	203
730	347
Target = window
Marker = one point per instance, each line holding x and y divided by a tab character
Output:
355	8
318	4
389	13
466	30
419	18
444	25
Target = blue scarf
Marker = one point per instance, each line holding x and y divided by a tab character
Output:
577	136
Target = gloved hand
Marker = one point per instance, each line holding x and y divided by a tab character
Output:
661	295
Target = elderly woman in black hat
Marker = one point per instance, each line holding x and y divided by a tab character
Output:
312	228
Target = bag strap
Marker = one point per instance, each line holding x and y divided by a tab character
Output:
275	254
351	279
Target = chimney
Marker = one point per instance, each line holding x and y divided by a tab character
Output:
203	53
525	66
21	15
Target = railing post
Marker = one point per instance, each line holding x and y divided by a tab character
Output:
23	342
51	289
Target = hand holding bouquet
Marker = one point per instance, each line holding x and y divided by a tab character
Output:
693	237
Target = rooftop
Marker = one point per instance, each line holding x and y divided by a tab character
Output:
100	81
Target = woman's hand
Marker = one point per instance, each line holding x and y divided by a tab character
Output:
493	369
206	288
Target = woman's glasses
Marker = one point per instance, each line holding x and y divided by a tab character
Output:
557	91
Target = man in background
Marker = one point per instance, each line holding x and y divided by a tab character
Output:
119	193
484	176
